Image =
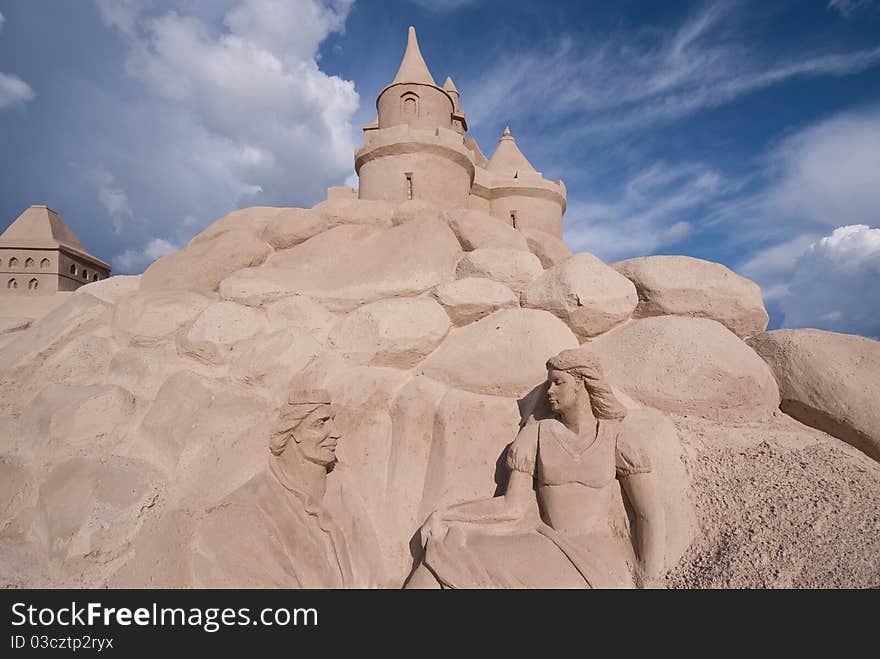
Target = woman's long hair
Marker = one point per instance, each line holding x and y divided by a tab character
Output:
584	365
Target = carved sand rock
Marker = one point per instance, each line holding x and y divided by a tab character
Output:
584	292
689	366
685	286
472	298
512	267
828	381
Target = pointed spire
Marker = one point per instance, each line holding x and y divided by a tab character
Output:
508	159
413	67
451	89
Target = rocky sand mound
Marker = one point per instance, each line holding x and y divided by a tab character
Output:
134	405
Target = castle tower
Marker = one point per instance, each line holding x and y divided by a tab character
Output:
40	255
518	194
415	149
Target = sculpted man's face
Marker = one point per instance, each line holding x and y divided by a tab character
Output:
563	391
317	436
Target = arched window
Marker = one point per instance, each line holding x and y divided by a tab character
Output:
12	284
28	262
73	268
409	104
94	277
45	263
32	285
13	262
85	274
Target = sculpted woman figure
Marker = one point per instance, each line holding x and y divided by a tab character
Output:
573	466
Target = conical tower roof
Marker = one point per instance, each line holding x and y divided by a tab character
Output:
40	226
413	67
451	89
508	158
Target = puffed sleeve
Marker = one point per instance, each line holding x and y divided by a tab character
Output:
632	455
522	452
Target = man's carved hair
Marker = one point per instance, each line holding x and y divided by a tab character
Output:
300	403
584	365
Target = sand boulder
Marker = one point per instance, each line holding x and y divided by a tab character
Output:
202	265
689	366
513	267
269	361
828	381
396	333
149	317
213	334
352	265
584	292
76	316
366	212
547	247
416	209
476	230
685	286
504	354
467	300
251	220
293	226
112	289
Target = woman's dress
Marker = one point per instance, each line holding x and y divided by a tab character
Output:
542	553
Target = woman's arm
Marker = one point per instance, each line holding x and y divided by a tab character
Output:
650	522
518	496
510	507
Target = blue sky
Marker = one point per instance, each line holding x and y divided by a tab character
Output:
741	132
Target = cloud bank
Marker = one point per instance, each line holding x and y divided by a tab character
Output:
275	128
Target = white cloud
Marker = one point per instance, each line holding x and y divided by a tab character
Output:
135	260
828	174
847	7
625	81
14	91
646	214
243	108
836	283
121	14
113	198
2	21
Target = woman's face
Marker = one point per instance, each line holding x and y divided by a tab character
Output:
563	391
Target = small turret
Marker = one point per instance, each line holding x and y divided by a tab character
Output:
413	98
459	122
517	193
508	159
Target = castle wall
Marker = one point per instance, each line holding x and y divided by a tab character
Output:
479	204
417	175
530	213
21	267
416	105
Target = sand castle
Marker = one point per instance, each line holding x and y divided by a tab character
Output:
40	255
356	372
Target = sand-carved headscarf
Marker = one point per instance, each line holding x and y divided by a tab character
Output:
300	403
585	365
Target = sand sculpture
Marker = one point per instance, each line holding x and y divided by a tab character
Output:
574	456
40	255
140	416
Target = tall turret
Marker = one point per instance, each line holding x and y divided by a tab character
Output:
418	148
415	149
518	194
